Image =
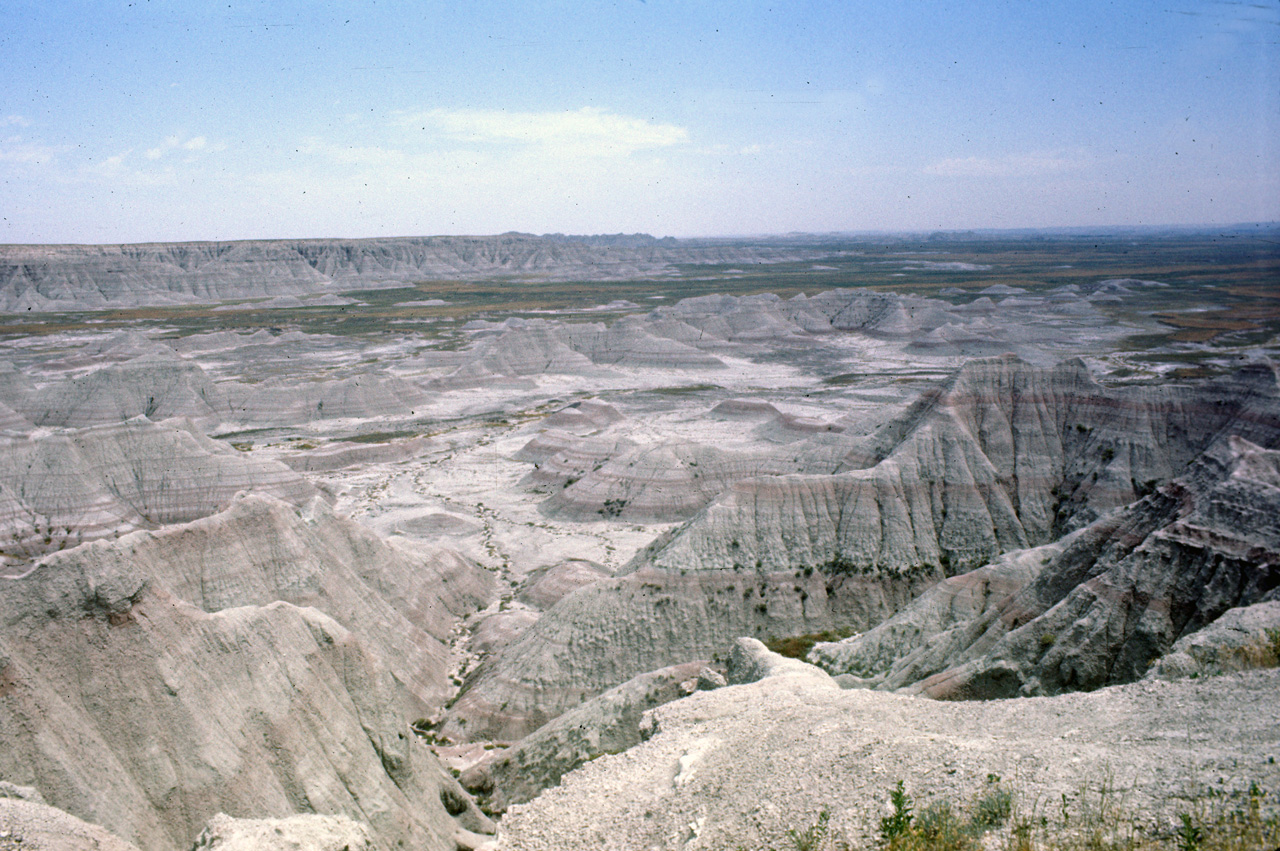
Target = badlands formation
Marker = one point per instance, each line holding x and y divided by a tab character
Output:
478	542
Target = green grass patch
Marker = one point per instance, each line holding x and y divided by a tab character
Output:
380	436
798	646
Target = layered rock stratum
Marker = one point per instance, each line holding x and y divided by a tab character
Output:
60	487
80	277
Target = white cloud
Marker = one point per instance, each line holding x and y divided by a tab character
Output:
357	155
110	167
1010	165
17	150
14	120
587	131
192	144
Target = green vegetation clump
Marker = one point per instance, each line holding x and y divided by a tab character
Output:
895	828
938	827
612	507
811	838
798	646
380	436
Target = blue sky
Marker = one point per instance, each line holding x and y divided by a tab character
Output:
135	121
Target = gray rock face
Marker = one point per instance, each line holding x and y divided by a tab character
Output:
522	347
943	622
154	386
149	726
1105	607
615	629
285	403
608	723
546	588
163	385
403	605
670	481
585	417
1006	456
134	709
58	488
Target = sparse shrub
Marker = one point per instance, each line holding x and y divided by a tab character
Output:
811	838
1143	489
1189	834
899	823
840	564
993	806
939	827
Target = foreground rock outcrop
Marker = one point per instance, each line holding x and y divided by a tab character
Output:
1242	638
608	723
28	825
742	766
304	833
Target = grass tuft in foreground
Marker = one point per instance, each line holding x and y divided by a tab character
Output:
1096	819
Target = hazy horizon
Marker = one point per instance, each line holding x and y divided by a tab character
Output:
1117	231
152	122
